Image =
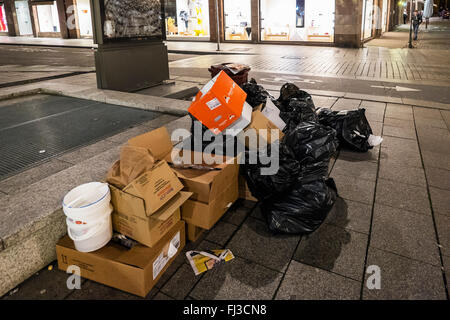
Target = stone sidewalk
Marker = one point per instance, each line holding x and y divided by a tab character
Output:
393	212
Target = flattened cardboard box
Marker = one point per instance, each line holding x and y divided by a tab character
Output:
135	270
130	219
151	190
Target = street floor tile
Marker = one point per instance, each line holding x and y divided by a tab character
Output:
430	123
221	232
403	278
439	178
258	214
399	111
440	200
350	215
181	283
427	113
350	155
91	290
171	270
254	242
44	285
323	102
303	282
398	123
395	171
238	279
357	169
402	196
161	296
446	260
443	229
351	188
236	215
406	233
406	133
346	104
436	160
334	249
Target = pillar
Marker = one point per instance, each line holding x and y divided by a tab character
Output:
348	18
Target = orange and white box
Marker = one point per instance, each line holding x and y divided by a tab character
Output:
219	104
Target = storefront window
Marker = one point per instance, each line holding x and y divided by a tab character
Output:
23	18
237	15
384	19
3	24
84	17
48	17
367	19
187	19
297	20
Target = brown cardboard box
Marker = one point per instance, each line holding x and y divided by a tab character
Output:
213	190
244	191
135	270
131	219
193	232
260	121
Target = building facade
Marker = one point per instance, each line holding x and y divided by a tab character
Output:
344	23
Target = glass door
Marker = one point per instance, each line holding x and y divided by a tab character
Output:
237	18
23	18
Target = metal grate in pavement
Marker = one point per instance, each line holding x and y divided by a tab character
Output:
34	131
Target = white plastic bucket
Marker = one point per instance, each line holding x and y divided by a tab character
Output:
88	212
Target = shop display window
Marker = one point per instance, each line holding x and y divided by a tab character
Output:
237	18
48	17
297	20
84	17
367	24
3	24
187	19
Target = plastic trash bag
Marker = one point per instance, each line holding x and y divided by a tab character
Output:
290	91
313	145
302	209
265	186
298	111
353	129
256	94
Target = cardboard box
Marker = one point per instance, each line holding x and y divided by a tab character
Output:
219	103
193	232
135	270
243	121
261	122
130	217
206	215
244	191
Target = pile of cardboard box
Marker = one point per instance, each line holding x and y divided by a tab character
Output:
169	201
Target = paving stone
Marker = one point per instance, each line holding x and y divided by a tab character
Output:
398	123
257	213
87	152
446	117
357	169
249	204
303	282
436	160
403	278
221	233
334	249
371	155
351	188
406	133
446	260
439	178
161	296
373	117
402	196
377	127
238	279
350	215
236	215
254	242
434	140
440	200
205	246
44	285
430	123
346	104
181	283
427	113
15	183
398	111
395	171
91	290
179	260
372	106
406	233
323	102
443	228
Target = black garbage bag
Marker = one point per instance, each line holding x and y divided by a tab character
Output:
302	209
353	129
298	111
290	91
265	186
312	144
256	94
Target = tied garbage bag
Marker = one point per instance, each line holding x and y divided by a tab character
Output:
303	208
290	91
313	145
134	161
265	186
296	112
353	129
256	94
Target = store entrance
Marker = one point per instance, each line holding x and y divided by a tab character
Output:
237	20
23	18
